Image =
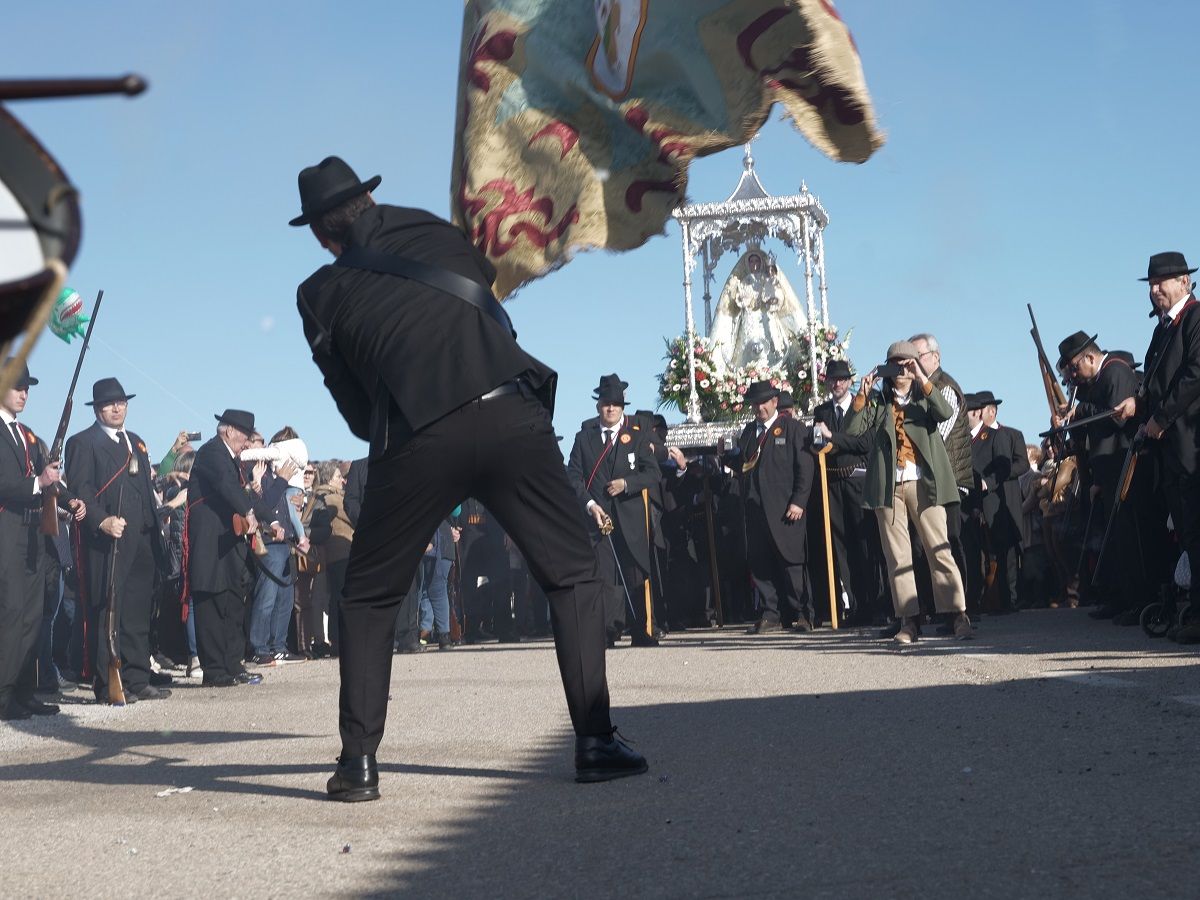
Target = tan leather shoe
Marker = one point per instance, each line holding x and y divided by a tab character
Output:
908	631
962	627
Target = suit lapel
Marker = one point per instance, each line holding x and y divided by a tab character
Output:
17	452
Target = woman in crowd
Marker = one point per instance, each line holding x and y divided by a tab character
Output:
312	592
337	548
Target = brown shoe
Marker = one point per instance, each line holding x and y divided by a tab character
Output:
962	627
908	631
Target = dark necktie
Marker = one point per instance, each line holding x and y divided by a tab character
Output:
837	418
607	436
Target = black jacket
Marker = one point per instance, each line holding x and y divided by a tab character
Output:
849	451
590	470
999	460
1108	442
1173	389
782	476
398	355
216	556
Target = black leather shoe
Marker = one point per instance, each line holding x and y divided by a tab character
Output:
354	779
642	640
37	707
160	679
762	626
100	692
219	681
803	626
409	648
605	757
1107	611
13	712
248	678
150	692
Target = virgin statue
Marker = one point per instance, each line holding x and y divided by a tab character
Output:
759	319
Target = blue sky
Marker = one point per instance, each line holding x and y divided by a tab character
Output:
1036	153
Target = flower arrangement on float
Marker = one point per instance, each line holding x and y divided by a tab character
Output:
721	391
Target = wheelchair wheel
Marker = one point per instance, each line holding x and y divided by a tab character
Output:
1155	620
1185	614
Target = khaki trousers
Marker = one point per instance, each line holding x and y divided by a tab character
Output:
930	521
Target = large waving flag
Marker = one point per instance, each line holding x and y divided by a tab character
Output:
578	118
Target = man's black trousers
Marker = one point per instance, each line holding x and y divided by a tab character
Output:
502	452
782	585
135	596
220	632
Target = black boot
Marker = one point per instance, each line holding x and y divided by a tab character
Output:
354	779
605	757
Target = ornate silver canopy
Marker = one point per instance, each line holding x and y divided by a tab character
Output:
748	217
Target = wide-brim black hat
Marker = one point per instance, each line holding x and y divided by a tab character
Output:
837	368
611	390
1166	265
239	419
107	390
1070	347
760	391
980	399
786	400
25	379
327	184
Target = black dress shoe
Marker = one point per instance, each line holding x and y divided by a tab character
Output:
247	678
642	640
150	692
803	626
890	631
411	648
354	779
160	679
14	711
100	692
219	681
37	707
605	757
762	626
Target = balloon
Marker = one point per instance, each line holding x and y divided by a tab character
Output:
67	319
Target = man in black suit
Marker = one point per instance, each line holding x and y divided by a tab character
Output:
857	552
1105	380
422	362
24	474
612	468
998	458
776	468
1169	407
110	469
216	557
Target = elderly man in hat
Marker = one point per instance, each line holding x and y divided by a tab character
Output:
998	460
909	479
612	469
218	573
772	455
423	362
1168	407
857	553
24	474
1106	380
110	470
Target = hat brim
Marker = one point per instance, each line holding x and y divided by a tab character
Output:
1168	275
365	187
240	426
26	382
108	400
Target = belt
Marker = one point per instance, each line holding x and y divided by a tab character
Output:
509	387
28	516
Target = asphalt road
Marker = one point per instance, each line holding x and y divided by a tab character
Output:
1051	757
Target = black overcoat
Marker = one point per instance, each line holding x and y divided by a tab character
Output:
999	459
783	476
1172	389
216	556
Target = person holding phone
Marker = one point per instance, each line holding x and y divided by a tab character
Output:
909	477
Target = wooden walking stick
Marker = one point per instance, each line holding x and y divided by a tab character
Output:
833	610
646	583
116	690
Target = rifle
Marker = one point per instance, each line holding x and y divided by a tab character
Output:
116	690
1123	485
1054	393
1077	423
49	525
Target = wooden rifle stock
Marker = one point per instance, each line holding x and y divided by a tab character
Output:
253	536
116	690
1123	486
49	524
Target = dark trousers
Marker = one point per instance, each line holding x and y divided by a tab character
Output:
220	632
783	586
503	452
857	552
134	604
22	585
1183	499
623	611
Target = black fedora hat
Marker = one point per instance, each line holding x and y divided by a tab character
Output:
108	390
1166	265
971	401
980	399
24	380
325	185
611	389
786	400
1070	347
837	368
1124	356
238	418
760	391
